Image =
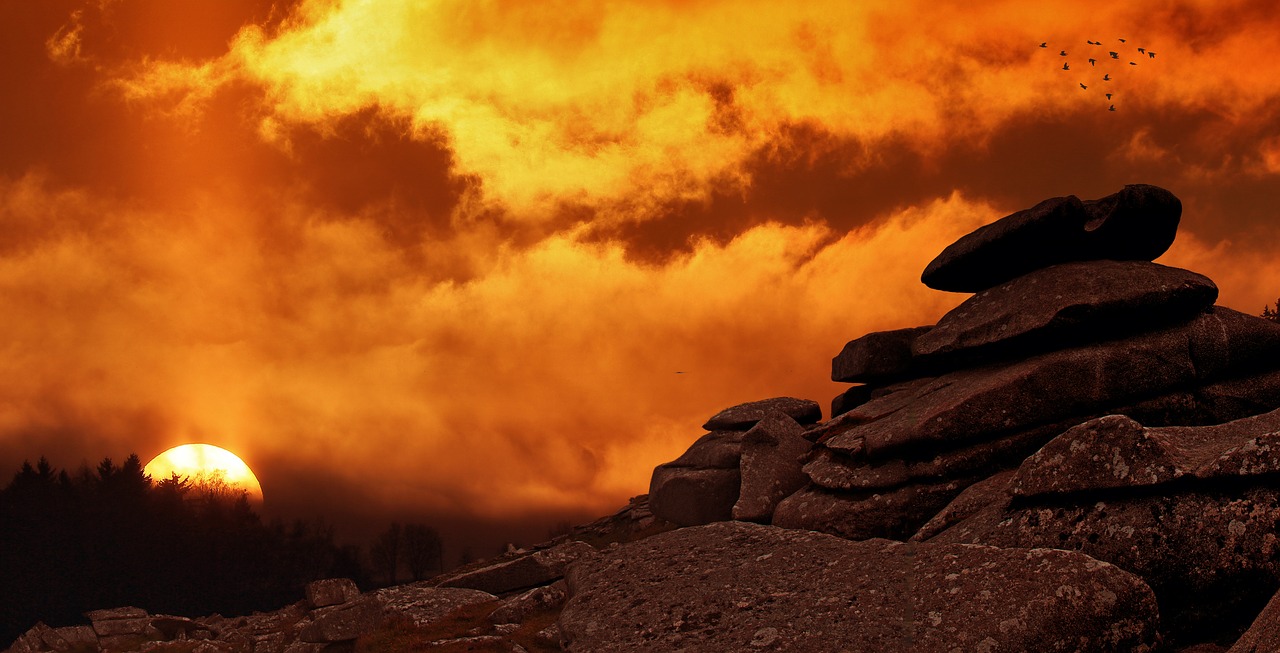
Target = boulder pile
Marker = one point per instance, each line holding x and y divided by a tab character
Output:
1084	398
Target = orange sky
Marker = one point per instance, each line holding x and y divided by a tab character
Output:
444	259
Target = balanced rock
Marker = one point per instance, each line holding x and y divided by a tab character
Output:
1136	224
745	416
742	587
1067	304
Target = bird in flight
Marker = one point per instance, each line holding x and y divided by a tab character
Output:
1114	55
1063	53
1066	67
1044	44
1151	54
1093	62
1112	108
1083	86
1122	40
1143	50
1108	96
1106	77
1133	63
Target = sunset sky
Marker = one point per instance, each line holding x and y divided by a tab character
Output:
442	260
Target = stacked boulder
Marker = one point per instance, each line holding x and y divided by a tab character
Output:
1070	322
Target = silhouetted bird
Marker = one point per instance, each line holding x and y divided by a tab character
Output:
1133	63
1045	44
1063	53
1151	54
1106	77
1093	61
1108	96
1113	108
1090	42
1142	50
1083	86
1114	55
1122	40
1066	67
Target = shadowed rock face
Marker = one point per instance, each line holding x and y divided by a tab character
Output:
743	587
1136	224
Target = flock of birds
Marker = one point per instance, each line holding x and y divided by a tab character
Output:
1106	78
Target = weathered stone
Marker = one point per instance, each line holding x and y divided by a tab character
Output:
744	416
73	636
35	640
772	454
991	491
331	591
714	450
737	586
530	570
850	399
1064	305
520	607
173	627
1263	635
1117	452
879	357
687	496
976	404
345	622
423	604
893	514
127	612
1136	224
115	627
835	471
1211	557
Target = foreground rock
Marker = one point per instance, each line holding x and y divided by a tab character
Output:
783	590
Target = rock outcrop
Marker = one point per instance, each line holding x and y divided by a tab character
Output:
1084	399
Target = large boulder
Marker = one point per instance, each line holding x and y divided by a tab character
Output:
1066	304
1136	224
1263	635
1192	510
701	486
739	587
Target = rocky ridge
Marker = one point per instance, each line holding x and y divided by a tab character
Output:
1081	456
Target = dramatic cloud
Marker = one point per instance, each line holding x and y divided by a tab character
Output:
447	258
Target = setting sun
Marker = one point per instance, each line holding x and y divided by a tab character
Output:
203	463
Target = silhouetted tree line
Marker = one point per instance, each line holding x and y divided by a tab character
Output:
1272	312
109	536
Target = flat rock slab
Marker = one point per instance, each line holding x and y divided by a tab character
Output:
1117	452
744	587
1136	224
1210	555
425	604
879	357
1066	304
975	404
745	416
894	514
524	572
